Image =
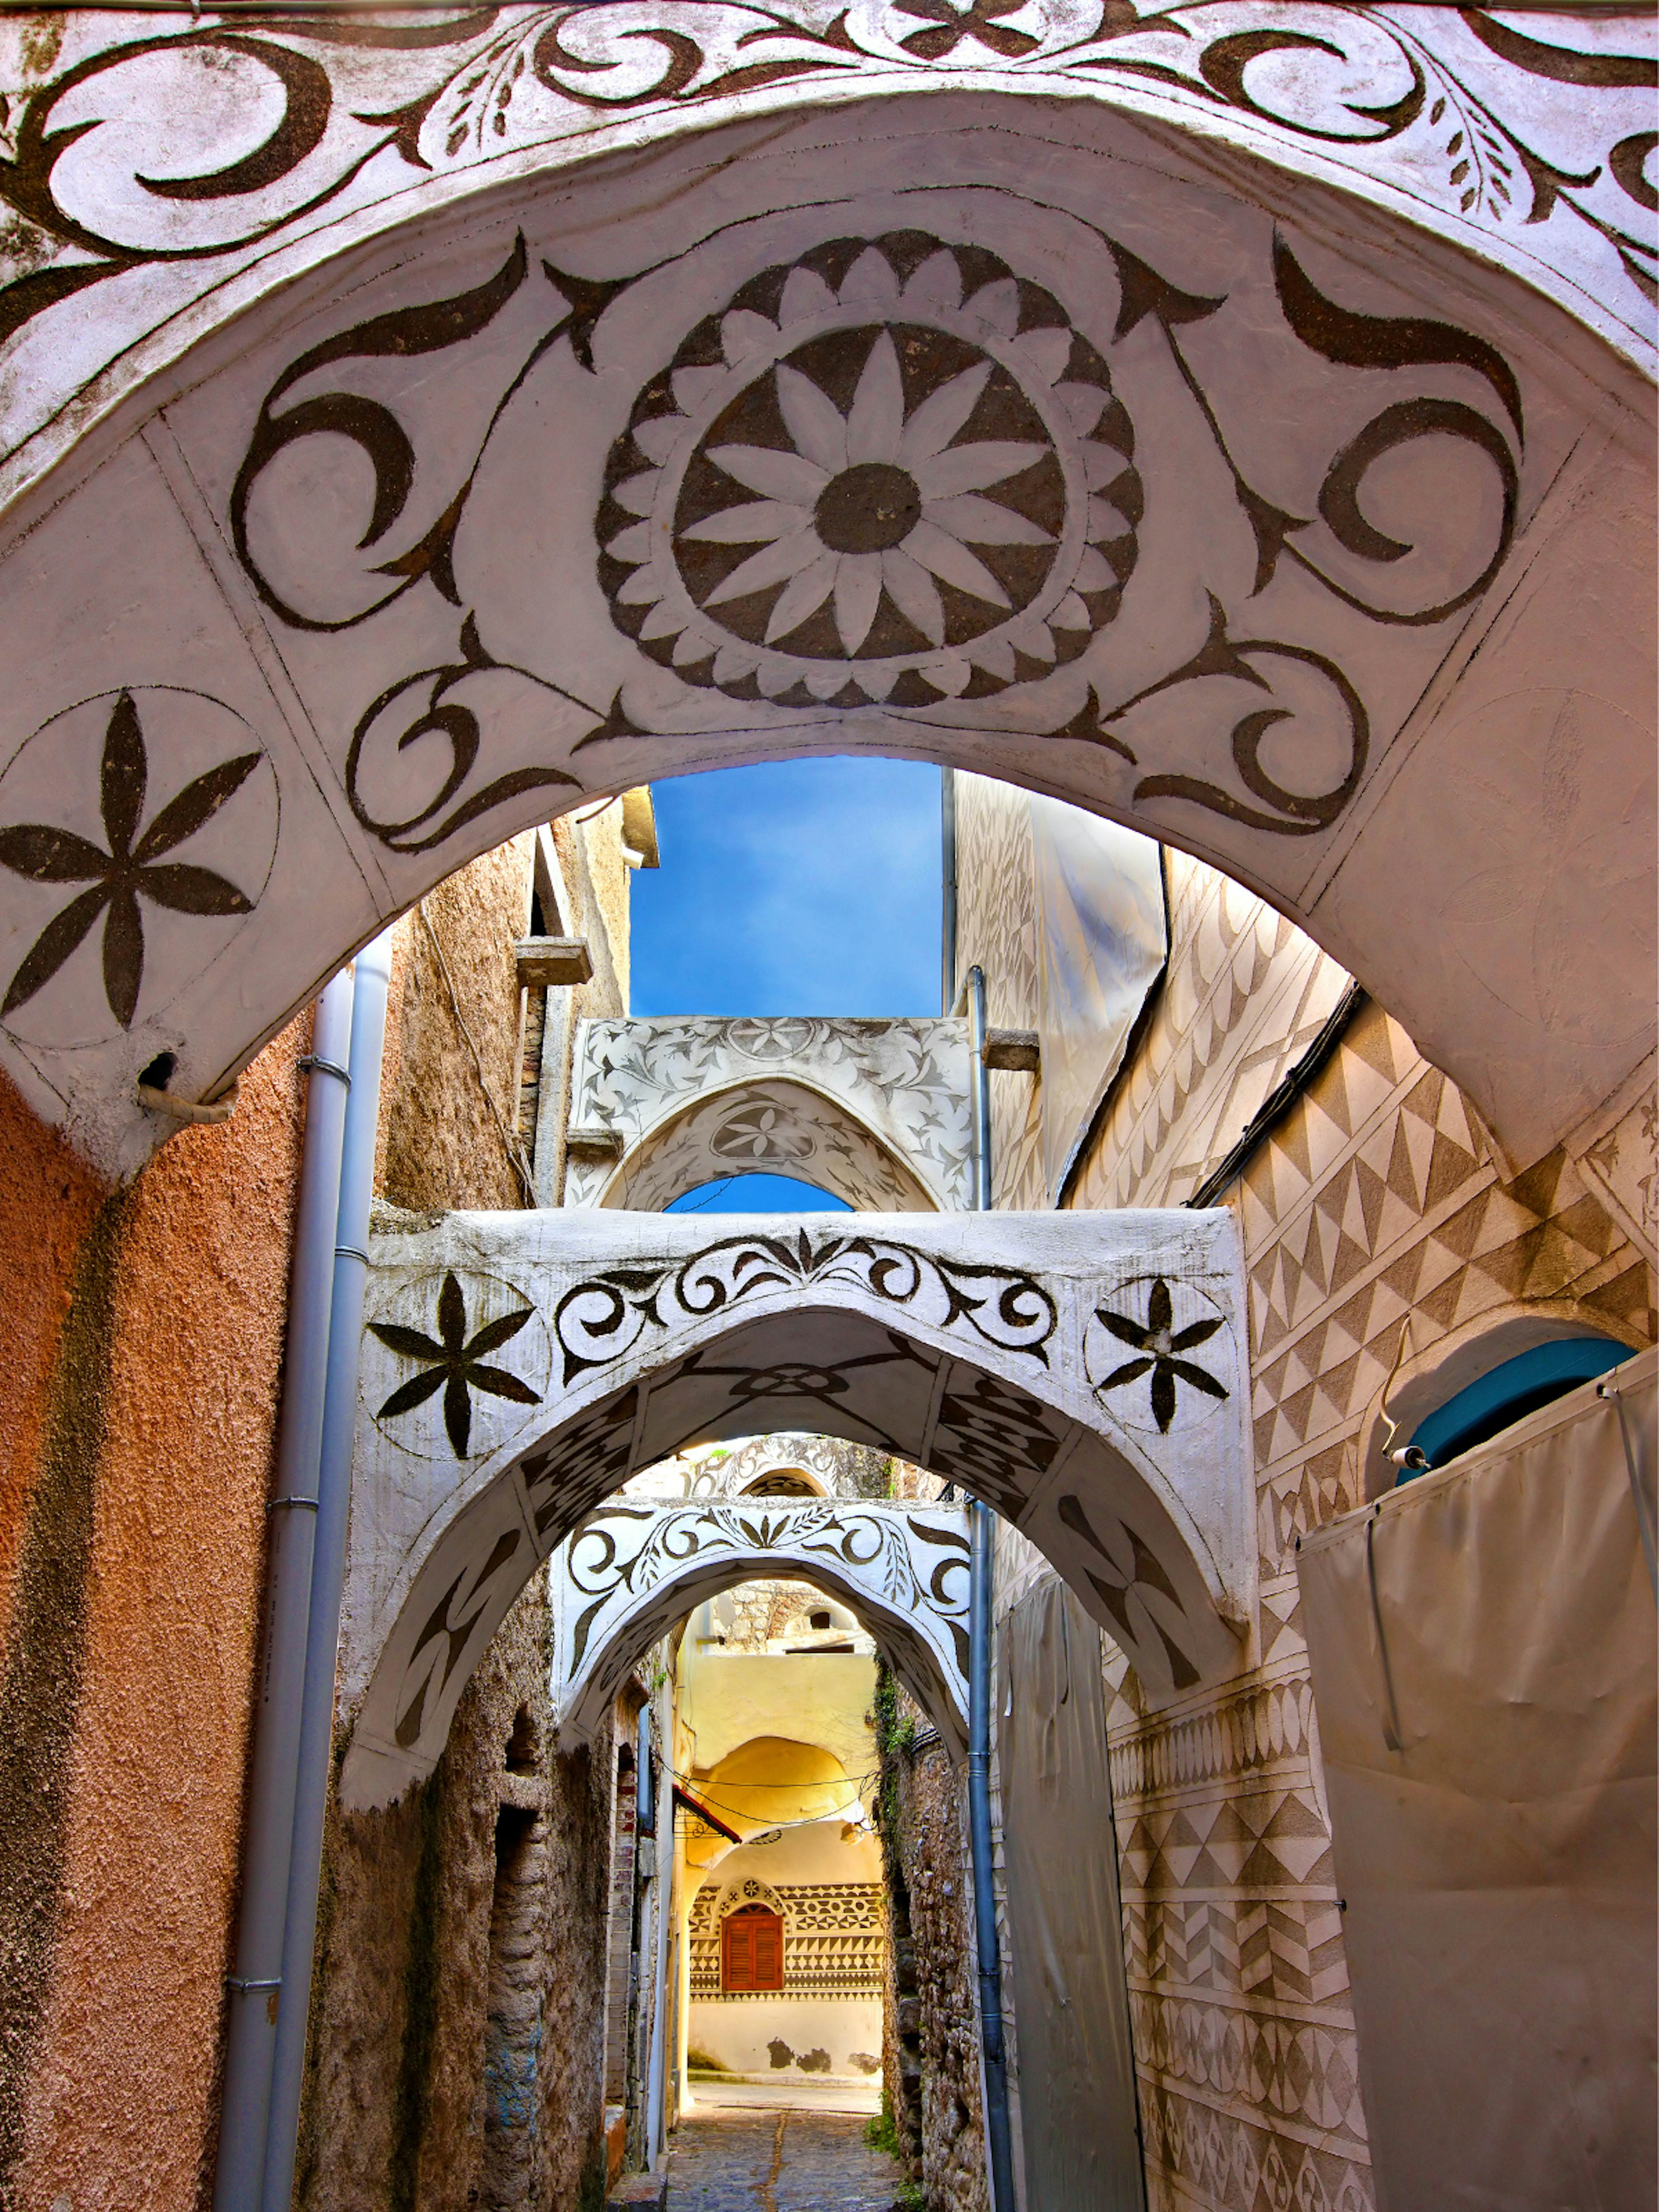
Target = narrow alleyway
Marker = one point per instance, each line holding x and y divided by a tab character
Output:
782	2160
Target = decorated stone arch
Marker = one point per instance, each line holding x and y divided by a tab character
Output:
631	1571
875	1112
1085	1374
1234	420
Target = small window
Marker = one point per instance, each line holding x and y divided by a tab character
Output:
782	1482
819	1620
1508	1393
752	1949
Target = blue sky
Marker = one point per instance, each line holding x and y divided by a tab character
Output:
801	887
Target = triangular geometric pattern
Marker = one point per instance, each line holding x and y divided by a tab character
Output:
1197	2154
1244	995
1378	1199
1374	1197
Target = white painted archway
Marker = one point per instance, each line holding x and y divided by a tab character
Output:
1083	1373
631	1571
875	1112
1287	483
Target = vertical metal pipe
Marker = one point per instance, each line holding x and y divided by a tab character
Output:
980	1620
328	1573
979	1824
981	1082
255	1986
663	1897
948	888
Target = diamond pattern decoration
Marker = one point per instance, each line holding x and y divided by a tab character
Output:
1374	1198
1377	1199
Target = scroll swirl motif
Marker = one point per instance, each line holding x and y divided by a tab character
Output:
600	1320
1349	339
789	582
88	158
874	1547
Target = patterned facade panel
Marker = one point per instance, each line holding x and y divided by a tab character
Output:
1374	1201
1379	1202
1245	995
1200	2160
834	1938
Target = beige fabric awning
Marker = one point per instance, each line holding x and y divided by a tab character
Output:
1483	1648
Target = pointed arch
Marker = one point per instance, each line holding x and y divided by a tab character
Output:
630	1572
1003	1351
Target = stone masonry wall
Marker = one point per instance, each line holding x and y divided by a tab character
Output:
457	2041
458	2028
930	2028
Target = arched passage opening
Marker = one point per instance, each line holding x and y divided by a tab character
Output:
629	1578
988	1349
1228	499
783	1128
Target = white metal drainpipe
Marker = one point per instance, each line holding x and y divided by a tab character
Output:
980	1593
250	2038
374	967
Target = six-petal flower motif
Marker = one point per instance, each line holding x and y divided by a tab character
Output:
133	868
454	1364
1161	1344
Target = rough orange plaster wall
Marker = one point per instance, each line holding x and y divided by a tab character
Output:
122	2096
47	1203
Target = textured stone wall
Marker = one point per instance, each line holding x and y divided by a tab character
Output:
458	2039
138	1381
514	2000
458	2032
451	1082
930	2033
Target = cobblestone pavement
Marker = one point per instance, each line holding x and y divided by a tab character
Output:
778	2161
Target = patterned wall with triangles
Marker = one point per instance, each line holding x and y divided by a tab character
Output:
1375	1197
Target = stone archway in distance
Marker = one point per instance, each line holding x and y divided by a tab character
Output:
631	1571
518	1367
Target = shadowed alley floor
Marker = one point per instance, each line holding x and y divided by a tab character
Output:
781	2160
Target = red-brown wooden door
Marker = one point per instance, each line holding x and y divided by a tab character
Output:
752	1949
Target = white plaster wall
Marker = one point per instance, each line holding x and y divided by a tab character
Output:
818	1851
736	2031
819	1697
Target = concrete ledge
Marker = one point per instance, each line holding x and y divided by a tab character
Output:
637	2189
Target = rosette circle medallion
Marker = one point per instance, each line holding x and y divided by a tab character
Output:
1234	420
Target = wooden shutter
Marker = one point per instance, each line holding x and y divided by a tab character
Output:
769	1951
752	1949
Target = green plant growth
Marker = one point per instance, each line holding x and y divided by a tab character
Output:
881	2132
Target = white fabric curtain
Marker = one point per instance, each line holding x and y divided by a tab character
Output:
1101	939
1077	2079
1483	1650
